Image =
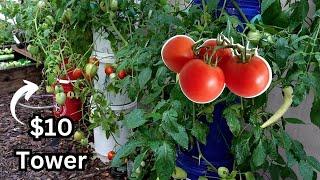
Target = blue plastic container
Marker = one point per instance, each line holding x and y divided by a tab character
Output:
250	8
217	149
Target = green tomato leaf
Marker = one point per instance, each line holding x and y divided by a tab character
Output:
124	151
305	170
232	115
299	13
259	155
266	4
134	119
241	148
165	161
144	77
297	149
174	129
294	121
138	160
200	131
291	159
249	176
315	113
313	162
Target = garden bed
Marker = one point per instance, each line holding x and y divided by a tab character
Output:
11	79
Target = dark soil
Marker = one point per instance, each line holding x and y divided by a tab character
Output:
14	136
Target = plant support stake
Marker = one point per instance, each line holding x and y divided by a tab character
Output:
287	101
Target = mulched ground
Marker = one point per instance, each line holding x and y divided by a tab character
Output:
14	136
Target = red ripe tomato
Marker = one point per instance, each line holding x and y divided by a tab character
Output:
177	51
108	69
122	74
77	73
249	79
208	48
200	82
111	155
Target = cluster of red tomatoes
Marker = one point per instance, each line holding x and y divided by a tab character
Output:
90	70
204	71
110	71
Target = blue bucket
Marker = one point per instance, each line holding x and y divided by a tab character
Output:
250	8
217	149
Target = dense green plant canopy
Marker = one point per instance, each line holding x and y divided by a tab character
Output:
165	120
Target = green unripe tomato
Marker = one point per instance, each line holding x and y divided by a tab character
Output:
179	173
254	36
66	16
223	172
58	89
44	26
103	6
41	4
49	89
50	20
138	170
91	70
84	142
143	164
78	136
114	5
61	98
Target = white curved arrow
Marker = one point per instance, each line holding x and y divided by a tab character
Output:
27	90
